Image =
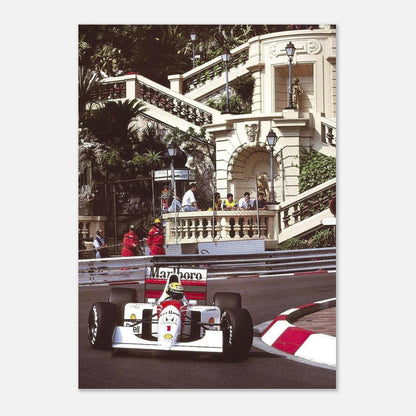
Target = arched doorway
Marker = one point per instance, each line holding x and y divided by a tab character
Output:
246	165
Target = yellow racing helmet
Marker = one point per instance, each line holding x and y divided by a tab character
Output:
175	291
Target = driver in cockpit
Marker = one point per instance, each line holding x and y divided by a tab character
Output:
175	291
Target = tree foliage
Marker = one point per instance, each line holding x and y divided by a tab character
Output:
315	168
239	100
319	239
121	151
157	51
88	84
198	144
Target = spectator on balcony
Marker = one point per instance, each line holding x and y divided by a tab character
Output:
165	199
100	246
230	203
217	203
156	239
189	201
260	202
245	203
176	203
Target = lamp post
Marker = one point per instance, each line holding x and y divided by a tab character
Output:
290	52
271	141
193	39
283	175
226	55
172	150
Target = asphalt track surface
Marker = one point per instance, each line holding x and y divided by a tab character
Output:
265	368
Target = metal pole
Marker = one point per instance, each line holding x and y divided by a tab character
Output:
283	175
115	218
153	194
290	85
227	98
271	175
193	54
257	205
172	172
213	214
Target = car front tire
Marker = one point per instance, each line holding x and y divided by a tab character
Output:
237	328
102	319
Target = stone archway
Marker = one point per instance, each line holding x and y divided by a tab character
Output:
246	163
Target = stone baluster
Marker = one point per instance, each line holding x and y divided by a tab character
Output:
217	228
263	228
208	229
296	212
189	230
199	228
286	218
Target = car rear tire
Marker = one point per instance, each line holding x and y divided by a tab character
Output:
237	329
102	319
227	300
120	296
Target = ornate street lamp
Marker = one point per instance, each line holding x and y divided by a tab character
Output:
226	55
173	150
290	52
271	142
193	39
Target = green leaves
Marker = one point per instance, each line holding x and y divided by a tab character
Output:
110	122
315	168
88	85
157	51
123	154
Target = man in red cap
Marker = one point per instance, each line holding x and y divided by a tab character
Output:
130	244
156	239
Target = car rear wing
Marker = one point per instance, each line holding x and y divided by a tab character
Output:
194	282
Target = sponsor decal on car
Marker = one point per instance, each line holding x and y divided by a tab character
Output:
185	275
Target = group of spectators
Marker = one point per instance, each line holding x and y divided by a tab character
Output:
155	236
189	202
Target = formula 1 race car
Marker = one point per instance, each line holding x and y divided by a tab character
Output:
172	317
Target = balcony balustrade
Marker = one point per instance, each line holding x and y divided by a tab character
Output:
207	72
161	99
329	131
207	226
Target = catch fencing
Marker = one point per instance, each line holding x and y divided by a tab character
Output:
133	269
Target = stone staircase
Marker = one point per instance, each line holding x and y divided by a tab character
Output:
182	106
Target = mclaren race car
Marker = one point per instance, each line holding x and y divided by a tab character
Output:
173	317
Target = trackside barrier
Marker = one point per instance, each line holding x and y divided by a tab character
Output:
133	269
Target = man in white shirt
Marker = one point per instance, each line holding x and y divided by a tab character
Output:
245	203
100	246
189	201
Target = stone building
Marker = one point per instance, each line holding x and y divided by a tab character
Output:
242	154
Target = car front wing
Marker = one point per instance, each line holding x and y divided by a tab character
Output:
124	337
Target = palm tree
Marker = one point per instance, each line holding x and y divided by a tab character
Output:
88	86
111	125
112	120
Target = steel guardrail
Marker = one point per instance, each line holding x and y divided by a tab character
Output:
132	269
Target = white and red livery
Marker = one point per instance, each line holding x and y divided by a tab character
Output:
166	324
